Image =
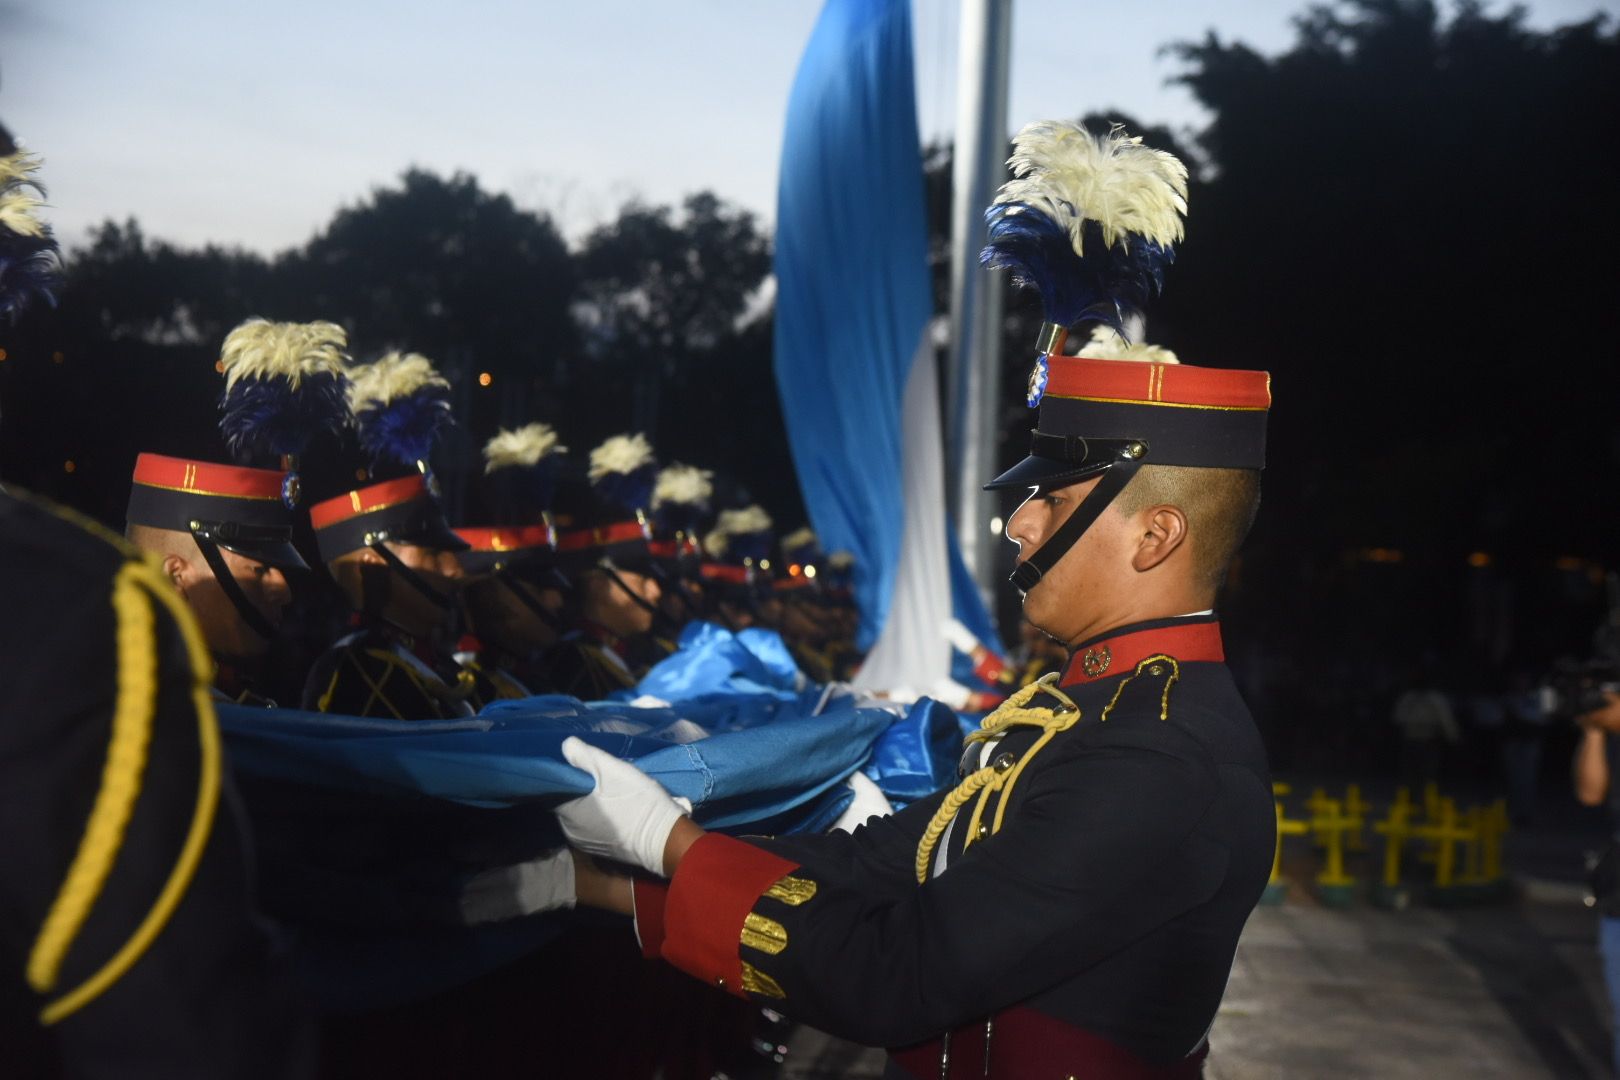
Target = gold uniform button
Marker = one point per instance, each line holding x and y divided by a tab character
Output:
1003	762
984	830
720	982
1156	669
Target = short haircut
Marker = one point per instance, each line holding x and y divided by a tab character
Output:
1220	505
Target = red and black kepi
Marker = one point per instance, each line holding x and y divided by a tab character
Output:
401	511
239	509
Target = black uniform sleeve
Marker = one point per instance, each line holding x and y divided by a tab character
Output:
126	926
1100	849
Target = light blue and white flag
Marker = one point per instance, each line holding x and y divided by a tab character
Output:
855	365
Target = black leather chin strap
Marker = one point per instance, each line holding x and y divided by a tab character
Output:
251	615
660	620
539	610
398	566
1031	570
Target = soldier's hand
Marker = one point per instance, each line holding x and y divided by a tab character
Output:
627	818
510	892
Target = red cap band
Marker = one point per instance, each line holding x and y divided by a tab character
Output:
601	536
367	499
207	478
1136	382
506	538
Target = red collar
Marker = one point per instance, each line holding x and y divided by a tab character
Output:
1118	652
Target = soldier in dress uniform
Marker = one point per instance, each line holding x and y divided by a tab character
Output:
606	550
680	510
225	533
803	617
736	567
393	555
514	596
128	943
1073	905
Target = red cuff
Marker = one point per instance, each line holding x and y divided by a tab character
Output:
717	884
989	667
650	897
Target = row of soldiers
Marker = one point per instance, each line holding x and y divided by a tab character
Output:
597	562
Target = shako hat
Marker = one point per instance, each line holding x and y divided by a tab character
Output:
239	508
524	463
680	506
605	513
401	406
1090	222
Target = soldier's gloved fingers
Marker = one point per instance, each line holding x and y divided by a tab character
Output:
510	892
628	816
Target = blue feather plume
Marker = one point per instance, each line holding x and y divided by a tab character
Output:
273	417
754	545
30	270
631	490
405	428
1107	284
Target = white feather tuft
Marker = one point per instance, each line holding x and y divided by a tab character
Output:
620	454
841	560
683	485
716	544
750	519
389	378
525	446
260	349
1073	176
799	538
1105	344
18	208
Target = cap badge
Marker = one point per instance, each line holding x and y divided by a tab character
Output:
1095	661
291	491
1037	380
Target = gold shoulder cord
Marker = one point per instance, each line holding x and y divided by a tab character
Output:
135	588
1015	712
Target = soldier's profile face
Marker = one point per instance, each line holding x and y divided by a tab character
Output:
1082	589
265	588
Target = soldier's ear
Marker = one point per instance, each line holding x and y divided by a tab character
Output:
174	568
1164	529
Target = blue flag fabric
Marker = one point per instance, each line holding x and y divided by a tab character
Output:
852	288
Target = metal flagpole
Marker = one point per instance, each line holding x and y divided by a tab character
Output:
975	348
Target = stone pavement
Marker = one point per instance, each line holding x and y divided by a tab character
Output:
1513	990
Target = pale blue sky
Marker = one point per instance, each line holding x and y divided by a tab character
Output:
249	124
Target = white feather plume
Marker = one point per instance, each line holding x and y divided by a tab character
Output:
18	203
391	376
1105	344
750	519
683	485
1073	177
716	543
841	560
799	538
525	446
267	350
620	454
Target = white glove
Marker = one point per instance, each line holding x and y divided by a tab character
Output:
510	892
869	802
627	818
960	637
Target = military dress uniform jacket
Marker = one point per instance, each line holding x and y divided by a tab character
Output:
374	672
129	945
1086	928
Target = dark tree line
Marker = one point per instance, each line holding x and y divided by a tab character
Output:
653	323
